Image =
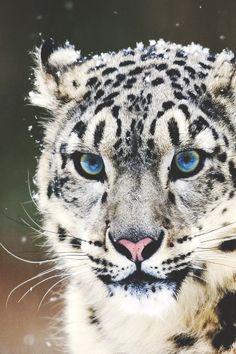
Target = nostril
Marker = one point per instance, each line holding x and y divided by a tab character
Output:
152	247
123	250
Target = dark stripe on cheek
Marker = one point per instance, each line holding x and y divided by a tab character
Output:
98	134
173	131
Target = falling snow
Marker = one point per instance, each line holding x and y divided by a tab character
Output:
23	239
29	339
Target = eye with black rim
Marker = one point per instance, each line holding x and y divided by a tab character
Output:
89	166
187	163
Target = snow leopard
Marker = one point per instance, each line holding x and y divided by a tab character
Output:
136	184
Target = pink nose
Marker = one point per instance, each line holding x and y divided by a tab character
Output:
136	248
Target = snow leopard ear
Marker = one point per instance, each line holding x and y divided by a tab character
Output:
221	82
55	58
57	67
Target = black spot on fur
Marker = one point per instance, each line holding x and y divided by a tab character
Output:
153	126
119	79
226	312
228	246
224	338
103	105
173	131
222	157
50	189
161	67
171	197
191	71
150	144
179	95
136	71
129	83
157	81
75	84
63	155
226	309
185	110
99	94
115	111
92	81
61	234
118	131
80	129
131	97
226	141
87	95
104	197
127	62
181	54
75	242
174	74
232	171
56	185
98	135
179	62
98	243
197	126
117	144
108	71
108	82
160	114
183	340
205	66
176	86
167	105
112	95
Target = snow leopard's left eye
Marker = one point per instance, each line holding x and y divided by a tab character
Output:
90	166
187	163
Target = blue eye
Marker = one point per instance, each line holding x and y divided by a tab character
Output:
89	166
187	163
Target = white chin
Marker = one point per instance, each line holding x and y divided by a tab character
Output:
157	304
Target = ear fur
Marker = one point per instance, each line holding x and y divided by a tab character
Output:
221	82
51	74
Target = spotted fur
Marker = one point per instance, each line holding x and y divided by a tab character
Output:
137	109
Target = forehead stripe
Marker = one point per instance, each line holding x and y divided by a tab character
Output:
98	134
173	131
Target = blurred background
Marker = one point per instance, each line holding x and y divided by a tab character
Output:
93	26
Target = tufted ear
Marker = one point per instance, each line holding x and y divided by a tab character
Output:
52	63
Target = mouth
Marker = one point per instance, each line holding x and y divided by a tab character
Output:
140	282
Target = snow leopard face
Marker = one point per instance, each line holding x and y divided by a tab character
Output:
137	176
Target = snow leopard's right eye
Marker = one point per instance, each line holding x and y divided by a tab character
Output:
89	166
